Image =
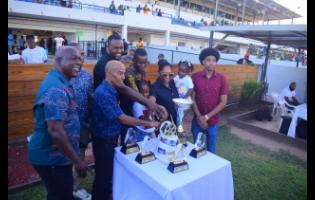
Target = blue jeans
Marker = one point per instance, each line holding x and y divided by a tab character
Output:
211	134
58	181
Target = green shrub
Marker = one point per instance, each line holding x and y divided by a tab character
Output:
251	92
232	93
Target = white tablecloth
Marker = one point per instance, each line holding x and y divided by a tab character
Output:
209	177
300	112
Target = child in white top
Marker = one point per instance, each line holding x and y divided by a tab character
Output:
142	112
183	82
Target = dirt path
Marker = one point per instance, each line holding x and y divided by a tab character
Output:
267	143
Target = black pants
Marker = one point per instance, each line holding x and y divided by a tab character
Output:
103	150
58	181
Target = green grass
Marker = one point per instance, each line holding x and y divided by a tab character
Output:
258	173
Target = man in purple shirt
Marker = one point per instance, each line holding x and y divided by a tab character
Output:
210	97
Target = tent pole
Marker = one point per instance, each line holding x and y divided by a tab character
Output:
264	70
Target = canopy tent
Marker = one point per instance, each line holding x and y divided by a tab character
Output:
286	35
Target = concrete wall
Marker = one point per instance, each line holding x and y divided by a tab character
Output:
280	77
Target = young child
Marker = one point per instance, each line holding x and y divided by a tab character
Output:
142	112
183	82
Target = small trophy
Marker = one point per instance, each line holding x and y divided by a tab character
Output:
178	164
183	106
130	145
199	149
145	156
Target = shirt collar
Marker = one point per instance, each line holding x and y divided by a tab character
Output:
203	73
61	77
108	86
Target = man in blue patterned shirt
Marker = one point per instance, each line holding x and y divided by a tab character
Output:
107	118
54	143
83	92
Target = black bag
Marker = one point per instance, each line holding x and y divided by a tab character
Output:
263	113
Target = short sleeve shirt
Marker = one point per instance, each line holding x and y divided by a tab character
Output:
286	92
36	55
183	85
164	96
105	111
83	88
208	92
54	102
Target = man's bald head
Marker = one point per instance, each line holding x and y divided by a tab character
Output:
68	61
115	72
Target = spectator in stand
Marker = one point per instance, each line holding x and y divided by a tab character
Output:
159	13
112	8
245	60
140	43
121	10
59	42
33	53
146	9
161	57
138	9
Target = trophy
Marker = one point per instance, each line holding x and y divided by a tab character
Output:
199	149
145	156
179	162
130	145
183	106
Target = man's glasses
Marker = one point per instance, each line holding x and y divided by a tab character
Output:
164	75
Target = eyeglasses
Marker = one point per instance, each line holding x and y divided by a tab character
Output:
164	75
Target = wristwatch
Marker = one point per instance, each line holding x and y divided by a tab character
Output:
207	117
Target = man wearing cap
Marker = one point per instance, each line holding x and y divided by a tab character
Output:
209	96
245	60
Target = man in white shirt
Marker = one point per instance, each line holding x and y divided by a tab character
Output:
33	53
288	95
59	41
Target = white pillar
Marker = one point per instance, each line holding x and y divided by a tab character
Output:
124	32
167	38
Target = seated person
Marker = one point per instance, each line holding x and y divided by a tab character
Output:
142	112
288	95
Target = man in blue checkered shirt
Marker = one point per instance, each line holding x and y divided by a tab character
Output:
107	118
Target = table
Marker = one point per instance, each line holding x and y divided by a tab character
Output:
299	112
209	177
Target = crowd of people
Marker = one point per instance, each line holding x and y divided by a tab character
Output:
72	108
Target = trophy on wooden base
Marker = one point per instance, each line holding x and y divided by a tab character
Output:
199	149
130	145
179	163
183	106
145	156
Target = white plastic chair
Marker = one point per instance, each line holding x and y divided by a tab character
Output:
276	104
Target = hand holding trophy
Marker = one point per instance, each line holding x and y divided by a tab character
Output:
130	144
199	149
144	155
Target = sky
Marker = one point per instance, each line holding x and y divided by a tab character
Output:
298	6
